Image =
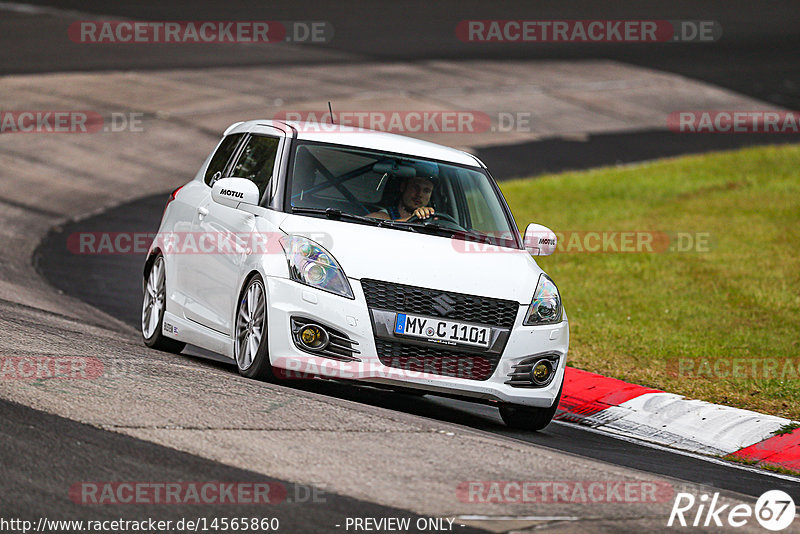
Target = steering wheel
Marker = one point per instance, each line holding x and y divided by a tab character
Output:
443	216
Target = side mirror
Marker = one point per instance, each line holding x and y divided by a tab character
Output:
234	191
540	240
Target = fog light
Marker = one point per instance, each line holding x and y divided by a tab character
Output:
313	337
542	372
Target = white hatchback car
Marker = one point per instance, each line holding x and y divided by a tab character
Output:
303	250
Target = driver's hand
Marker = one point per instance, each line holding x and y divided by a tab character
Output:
423	213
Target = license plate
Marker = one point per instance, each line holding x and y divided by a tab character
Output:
441	331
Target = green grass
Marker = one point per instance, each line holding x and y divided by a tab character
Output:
767	466
787	429
738	460
779	469
634	316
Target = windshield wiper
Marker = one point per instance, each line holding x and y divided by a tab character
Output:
400	225
336	215
333	214
432	227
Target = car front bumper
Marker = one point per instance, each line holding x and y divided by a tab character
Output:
289	299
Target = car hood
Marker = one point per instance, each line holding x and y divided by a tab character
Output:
422	260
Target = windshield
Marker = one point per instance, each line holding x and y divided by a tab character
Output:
381	186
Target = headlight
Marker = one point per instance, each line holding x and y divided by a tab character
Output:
546	305
314	266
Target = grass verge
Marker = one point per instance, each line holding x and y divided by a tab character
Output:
719	321
762	465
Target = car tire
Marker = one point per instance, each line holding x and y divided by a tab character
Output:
250	345
530	418
154	304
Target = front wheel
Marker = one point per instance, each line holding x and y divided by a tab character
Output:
153	308
250	348
530	418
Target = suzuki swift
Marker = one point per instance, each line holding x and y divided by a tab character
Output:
307	250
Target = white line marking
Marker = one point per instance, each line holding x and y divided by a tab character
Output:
30	9
516	518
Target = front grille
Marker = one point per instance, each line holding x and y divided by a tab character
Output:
457	306
433	360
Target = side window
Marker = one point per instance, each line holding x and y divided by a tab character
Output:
257	161
217	164
483	217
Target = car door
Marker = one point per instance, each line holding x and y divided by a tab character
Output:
224	235
195	194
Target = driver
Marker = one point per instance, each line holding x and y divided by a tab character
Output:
415	195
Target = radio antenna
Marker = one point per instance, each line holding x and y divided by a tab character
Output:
331	112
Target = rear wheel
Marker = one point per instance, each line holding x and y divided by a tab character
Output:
154	304
250	347
530	418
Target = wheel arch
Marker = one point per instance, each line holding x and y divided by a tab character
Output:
246	280
148	264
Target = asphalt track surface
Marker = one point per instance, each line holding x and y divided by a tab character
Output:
43	455
757	56
112	283
558	154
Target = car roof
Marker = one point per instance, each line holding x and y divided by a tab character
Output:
361	138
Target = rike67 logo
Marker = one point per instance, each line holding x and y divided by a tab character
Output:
774	510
